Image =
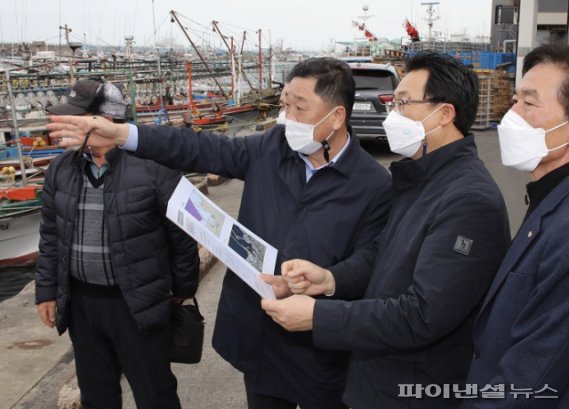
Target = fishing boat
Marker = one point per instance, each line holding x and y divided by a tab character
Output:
204	122
20	201
19	228
213	110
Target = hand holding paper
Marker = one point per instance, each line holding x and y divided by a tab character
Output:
294	313
279	284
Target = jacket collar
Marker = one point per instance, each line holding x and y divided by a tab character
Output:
344	165
111	156
540	189
408	173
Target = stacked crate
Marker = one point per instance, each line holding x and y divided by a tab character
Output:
483	115
400	68
495	95
502	92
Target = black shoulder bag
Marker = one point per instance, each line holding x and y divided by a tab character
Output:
186	333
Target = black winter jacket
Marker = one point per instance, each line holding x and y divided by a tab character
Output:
444	240
152	258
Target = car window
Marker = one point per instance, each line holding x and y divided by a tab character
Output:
374	79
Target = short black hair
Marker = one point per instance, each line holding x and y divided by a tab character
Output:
334	81
558	55
450	82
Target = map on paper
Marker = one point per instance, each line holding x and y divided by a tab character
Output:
242	251
204	211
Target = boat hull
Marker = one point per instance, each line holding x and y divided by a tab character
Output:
19	239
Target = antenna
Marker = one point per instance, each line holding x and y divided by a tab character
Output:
430	19
365	17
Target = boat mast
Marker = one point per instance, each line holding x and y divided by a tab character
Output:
260	63
190	90
430	18
175	17
161	111
15	127
271	62
240	62
232	50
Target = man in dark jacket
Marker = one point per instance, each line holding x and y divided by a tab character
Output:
110	262
310	191
447	232
521	336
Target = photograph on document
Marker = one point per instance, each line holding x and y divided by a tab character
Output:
250	249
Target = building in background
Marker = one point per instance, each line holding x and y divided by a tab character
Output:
526	24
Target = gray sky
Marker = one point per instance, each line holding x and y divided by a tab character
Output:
300	24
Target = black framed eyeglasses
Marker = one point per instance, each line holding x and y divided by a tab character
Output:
400	104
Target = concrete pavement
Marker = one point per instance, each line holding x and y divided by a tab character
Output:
29	353
512	182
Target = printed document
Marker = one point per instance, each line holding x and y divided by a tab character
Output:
245	253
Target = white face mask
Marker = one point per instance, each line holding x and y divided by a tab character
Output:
405	134
300	137
281	119
521	145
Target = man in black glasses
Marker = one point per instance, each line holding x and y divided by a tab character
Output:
411	334
110	262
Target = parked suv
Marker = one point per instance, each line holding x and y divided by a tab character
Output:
374	87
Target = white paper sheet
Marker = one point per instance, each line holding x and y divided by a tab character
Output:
242	251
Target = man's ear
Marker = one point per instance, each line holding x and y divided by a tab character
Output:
448	114
339	116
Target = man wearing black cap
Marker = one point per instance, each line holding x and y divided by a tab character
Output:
110	263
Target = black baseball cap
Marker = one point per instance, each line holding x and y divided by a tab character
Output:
92	97
84	97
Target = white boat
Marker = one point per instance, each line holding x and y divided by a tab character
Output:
19	237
